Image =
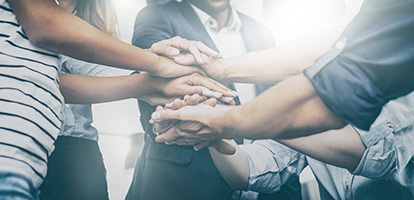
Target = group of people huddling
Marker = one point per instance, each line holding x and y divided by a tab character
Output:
342	105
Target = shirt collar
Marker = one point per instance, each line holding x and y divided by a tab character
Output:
234	23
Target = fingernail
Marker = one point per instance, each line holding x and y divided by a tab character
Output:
174	51
235	93
180	58
168	105
217	94
156	116
227	99
207	93
157	139
195	148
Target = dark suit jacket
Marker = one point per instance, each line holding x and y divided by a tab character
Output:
179	172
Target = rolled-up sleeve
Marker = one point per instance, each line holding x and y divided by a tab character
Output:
390	141
74	66
371	64
271	165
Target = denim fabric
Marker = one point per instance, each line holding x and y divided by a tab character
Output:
372	62
77	118
386	170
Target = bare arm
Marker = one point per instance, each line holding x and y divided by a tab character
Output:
342	148
154	90
288	110
87	89
270	65
51	28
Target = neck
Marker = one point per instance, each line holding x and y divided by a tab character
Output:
221	17
68	5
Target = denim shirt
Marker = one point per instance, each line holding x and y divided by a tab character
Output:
387	163
77	118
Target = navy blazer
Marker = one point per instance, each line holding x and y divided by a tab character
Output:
179	172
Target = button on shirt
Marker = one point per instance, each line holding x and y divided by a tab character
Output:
372	63
230	42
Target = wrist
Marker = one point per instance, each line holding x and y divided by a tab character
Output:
223	124
155	63
227	69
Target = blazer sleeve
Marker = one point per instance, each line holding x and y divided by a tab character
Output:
151	25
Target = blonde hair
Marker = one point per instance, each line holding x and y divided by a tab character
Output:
100	14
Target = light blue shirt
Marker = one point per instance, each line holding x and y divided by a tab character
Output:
77	118
387	163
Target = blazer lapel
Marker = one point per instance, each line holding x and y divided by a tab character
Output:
247	34
199	30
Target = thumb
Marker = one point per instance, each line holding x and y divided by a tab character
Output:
224	147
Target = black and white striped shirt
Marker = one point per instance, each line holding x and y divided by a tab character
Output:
30	101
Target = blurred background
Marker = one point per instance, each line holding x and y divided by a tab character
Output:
118	122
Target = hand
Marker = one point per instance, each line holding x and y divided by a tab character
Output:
166	90
169	68
175	132
177	46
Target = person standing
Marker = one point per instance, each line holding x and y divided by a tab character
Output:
167	172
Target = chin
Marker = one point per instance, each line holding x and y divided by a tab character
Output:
218	5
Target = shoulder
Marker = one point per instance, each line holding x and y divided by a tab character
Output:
258	28
249	21
159	9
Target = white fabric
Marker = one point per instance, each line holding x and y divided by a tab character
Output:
229	41
30	101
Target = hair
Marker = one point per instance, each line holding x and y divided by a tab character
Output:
100	14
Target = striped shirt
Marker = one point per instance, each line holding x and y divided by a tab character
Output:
30	101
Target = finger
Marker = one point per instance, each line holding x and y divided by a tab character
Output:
189	46
212	94
159	108
193	100
224	147
165	50
186	97
168	136
188	127
213	85
187	59
177	104
211	102
187	113
228	100
201	146
206	50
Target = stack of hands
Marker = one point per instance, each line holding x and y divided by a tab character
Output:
191	99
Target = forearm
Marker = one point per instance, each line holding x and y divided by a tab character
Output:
342	148
234	168
49	27
86	90
288	110
278	63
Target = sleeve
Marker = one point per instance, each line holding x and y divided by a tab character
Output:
74	66
372	63
151	26
389	142
271	165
